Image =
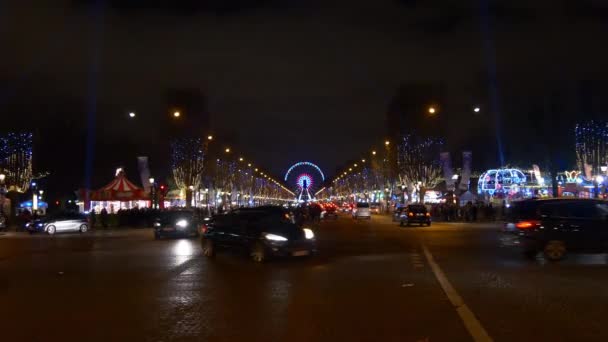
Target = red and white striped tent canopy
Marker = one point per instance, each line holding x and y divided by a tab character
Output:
120	189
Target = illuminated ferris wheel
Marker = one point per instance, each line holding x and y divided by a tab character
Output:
305	178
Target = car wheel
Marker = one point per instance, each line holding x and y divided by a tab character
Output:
51	230
258	252
208	248
555	250
84	228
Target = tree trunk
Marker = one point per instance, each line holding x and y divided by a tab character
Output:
188	198
421	194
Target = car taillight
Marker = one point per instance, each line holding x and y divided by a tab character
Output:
203	228
527	224
428	214
410	214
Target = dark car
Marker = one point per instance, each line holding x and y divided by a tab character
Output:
557	226
58	223
177	223
260	233
415	214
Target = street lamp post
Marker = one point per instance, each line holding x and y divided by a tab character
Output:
153	193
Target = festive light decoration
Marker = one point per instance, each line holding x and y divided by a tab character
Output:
500	181
592	144
16	160
304	181
305	163
418	162
187	157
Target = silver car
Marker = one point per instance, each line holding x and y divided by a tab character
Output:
361	210
62	222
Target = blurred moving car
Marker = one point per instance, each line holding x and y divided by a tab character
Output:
361	210
177	223
330	210
374	208
415	213
558	226
58	223
260	233
397	214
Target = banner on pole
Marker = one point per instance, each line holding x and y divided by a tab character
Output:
144	173
446	164
465	177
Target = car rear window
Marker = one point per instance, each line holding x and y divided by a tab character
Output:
417	208
362	205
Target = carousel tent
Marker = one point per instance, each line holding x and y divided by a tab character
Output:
121	190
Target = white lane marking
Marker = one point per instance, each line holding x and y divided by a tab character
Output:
471	323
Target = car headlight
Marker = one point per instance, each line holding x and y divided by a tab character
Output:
28	224
156	224
274	237
309	234
182	223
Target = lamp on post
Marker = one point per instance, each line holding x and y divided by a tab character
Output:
153	192
2	178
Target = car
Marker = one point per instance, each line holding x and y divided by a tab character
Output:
374	208
415	213
557	226
361	210
330	210
262	234
59	223
177	223
397	214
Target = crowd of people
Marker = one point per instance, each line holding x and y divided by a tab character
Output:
470	212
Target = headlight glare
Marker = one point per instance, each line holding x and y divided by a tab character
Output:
274	237
309	234
182	223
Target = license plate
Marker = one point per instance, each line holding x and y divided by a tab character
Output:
300	253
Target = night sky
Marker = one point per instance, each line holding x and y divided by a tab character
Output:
288	80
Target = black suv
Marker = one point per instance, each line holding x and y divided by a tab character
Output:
259	232
176	223
555	226
414	213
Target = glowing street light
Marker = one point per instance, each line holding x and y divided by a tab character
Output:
241	159
476	109
355	165
387	143
363	160
227	150
249	165
132	114
210	137
151	180
374	152
177	114
2	178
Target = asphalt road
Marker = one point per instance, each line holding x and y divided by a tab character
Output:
372	281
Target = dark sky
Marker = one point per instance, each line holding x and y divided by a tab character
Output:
285	80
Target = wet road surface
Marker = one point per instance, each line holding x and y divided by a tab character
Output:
372	281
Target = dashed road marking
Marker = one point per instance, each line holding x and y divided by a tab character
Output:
471	323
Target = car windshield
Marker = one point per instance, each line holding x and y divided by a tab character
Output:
174	216
362	205
417	208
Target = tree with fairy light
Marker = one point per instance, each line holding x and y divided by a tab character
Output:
592	145
187	164
16	160
417	162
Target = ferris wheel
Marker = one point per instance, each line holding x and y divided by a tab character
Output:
305	178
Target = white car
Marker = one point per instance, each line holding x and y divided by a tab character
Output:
361	210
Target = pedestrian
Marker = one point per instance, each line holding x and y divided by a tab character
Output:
103	216
92	218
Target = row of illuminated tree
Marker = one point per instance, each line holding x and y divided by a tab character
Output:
410	164
210	172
